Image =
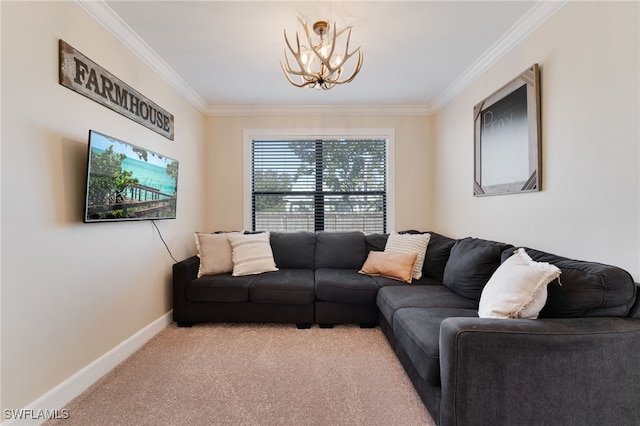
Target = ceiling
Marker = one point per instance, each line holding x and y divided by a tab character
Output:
224	56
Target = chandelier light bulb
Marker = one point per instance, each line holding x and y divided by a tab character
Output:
324	50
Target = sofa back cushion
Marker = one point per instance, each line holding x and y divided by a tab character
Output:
471	263
585	289
438	252
340	250
293	250
376	241
635	309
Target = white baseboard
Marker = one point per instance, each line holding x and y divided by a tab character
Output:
50	404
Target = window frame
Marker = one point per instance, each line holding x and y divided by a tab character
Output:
388	134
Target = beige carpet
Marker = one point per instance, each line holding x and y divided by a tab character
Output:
254	374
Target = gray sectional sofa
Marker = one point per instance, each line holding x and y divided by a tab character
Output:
577	364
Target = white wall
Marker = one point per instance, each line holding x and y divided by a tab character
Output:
590	204
73	291
413	152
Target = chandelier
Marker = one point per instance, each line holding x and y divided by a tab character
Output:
319	65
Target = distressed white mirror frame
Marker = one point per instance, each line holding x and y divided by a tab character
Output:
507	138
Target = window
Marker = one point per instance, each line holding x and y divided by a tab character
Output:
319	184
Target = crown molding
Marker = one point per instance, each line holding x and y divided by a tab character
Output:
518	32
102	13
301	110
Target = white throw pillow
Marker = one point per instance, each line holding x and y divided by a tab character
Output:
407	244
214	251
518	288
252	254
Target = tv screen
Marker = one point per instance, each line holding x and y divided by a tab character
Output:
127	182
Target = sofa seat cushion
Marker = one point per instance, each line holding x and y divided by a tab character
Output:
220	288
345	286
417	331
390	299
286	286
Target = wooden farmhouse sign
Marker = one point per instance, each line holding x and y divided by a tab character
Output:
81	74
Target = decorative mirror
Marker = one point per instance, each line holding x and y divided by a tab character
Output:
507	138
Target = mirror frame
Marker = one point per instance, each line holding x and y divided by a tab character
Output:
531	135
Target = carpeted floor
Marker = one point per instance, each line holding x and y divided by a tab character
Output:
254	374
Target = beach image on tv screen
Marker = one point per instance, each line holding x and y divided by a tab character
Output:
126	182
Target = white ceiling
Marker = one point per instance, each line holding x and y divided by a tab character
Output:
224	56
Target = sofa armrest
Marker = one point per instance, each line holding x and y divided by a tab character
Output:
184	272
546	371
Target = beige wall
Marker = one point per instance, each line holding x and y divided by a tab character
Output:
72	291
590	204
413	153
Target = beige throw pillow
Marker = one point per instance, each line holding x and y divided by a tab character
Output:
407	244
396	266
251	254
214	251
518	288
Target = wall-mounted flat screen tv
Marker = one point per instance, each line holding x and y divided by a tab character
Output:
127	182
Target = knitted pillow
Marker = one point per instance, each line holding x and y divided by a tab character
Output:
407	244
